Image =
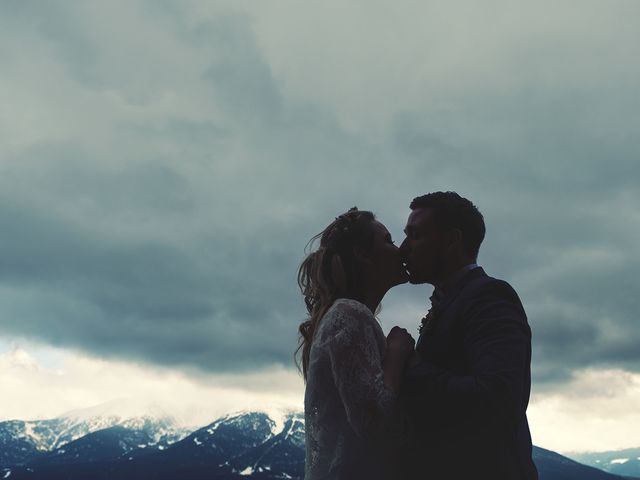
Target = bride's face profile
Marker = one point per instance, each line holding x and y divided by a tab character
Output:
385	260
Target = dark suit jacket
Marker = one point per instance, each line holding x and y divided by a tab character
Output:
468	397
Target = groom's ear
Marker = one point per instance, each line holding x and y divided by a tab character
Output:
454	237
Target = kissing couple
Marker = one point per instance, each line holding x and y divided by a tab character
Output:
450	406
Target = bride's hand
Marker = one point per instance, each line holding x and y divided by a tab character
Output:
414	359
399	348
400	343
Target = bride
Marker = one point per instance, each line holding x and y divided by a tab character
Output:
352	372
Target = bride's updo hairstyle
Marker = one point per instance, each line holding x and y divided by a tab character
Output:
332	271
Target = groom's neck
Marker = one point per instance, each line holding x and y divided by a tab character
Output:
452	272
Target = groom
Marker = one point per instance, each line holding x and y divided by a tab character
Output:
468	384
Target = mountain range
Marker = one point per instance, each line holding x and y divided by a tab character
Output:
620	462
256	445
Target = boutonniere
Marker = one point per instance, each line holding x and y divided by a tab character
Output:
428	321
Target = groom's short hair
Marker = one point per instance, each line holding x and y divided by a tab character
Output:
450	210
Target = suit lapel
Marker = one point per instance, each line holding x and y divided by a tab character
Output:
450	296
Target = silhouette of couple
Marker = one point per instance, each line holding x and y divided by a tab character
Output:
451	405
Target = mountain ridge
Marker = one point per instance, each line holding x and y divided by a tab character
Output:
237	445
625	462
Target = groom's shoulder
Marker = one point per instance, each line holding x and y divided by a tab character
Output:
483	285
490	300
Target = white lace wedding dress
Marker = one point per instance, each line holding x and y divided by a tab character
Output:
349	413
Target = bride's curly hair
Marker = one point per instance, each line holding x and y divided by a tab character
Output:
332	271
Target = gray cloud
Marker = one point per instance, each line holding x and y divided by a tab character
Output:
164	164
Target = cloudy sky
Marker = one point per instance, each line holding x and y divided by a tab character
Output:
163	164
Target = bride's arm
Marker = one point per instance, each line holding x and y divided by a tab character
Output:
366	387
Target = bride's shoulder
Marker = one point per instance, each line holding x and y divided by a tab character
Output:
346	311
350	305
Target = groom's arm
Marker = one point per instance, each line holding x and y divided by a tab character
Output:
497	346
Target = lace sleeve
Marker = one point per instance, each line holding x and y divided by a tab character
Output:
356	365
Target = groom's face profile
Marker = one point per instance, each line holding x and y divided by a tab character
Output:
423	248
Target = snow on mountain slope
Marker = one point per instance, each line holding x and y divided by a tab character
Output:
24	440
621	462
257	445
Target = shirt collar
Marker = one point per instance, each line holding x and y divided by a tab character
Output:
440	291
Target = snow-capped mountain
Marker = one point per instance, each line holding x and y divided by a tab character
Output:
21	441
108	444
256	445
553	466
234	446
241	444
621	462
279	452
